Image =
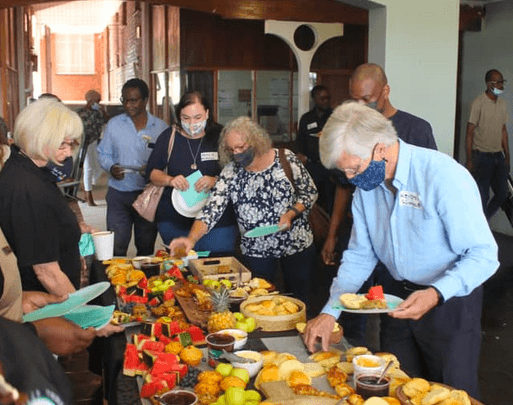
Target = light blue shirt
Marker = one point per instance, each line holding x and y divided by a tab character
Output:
431	232
122	144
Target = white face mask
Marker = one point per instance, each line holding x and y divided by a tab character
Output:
194	129
497	92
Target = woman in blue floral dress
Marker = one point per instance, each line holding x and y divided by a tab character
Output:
254	180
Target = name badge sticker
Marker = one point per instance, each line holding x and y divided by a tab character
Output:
312	125
206	156
410	199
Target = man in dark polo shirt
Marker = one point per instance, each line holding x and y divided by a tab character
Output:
310	127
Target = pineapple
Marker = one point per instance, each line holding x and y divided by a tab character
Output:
221	317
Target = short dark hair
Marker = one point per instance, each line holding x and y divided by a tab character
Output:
137	84
317	89
488	75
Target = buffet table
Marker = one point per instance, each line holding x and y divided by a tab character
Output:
107	353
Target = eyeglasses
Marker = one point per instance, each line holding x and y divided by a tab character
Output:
129	100
499	82
237	149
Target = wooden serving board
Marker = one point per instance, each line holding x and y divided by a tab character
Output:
403	398
190	309
280	392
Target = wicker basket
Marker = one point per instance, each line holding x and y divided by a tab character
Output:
275	323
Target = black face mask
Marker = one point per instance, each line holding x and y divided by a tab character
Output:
244	158
60	172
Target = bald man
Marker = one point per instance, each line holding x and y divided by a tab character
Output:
369	85
93	117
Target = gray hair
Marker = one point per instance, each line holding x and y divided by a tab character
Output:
355	129
42	126
253	134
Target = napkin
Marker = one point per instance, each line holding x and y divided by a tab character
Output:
191	196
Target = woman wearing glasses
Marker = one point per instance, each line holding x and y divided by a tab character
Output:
194	151
255	181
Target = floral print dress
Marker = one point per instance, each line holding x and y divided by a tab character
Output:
261	198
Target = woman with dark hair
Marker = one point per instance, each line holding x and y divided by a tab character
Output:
194	148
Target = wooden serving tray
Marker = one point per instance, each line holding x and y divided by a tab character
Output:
280	392
275	323
190	308
403	398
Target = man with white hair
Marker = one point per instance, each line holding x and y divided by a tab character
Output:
419	212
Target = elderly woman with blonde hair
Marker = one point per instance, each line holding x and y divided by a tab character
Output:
35	218
255	181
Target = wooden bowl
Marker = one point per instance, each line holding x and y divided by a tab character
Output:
275	323
404	400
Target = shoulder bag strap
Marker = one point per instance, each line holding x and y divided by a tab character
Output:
170	148
286	166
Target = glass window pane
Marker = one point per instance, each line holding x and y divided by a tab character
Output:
234	95
273	95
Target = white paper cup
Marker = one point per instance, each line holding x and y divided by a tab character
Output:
104	245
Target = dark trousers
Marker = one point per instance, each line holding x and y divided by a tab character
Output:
325	187
296	270
443	345
121	217
490	170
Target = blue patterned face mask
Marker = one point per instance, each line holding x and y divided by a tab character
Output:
371	177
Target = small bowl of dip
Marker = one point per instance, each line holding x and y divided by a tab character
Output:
178	397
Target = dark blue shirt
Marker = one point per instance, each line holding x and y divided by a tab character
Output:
182	157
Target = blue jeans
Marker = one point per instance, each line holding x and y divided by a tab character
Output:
218	240
296	270
121	217
490	170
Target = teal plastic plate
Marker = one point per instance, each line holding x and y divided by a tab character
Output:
75	300
262	231
91	316
392	303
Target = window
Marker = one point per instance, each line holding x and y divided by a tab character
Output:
74	54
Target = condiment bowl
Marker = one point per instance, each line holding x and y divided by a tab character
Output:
178	397
240	336
252	368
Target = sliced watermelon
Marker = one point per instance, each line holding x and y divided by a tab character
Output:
132	364
164	339
375	293
170	378
151	345
185	339
174	328
138	338
180	368
153	388
166	363
196	334
168	295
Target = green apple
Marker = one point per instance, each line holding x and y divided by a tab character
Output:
242	326
252	395
215	284
251	402
224	369
221	400
207	282
239	316
235	396
250	322
226	283
241	373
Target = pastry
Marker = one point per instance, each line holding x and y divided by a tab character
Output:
352	301
436	395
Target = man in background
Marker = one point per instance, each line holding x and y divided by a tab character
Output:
123	152
94	118
487	143
310	127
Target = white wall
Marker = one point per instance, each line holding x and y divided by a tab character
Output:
491	48
417	44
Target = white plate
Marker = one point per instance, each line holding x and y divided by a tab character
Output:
182	208
392	303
